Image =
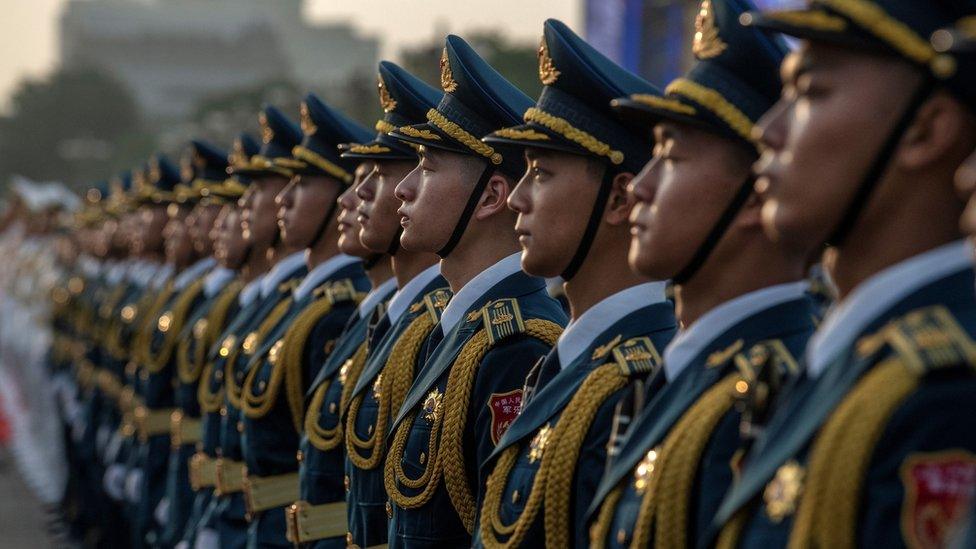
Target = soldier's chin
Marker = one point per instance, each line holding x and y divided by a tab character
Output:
537	265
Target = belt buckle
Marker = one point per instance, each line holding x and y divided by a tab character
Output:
291	520
193	470
248	501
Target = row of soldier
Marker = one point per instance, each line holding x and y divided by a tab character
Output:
351	339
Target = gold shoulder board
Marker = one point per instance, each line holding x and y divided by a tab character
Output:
636	356
502	318
436	301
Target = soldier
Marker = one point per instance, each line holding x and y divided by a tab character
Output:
499	322
293	349
262	305
235	254
875	443
376	389
697	222
549	461
203	167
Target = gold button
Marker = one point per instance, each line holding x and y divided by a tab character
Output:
389	510
515	496
346	482
621	536
300	456
219	375
349	538
261	385
223	410
370	430
423	458
332	408
240	426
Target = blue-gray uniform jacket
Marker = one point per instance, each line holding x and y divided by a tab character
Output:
234	349
272	398
377	389
459	407
882	443
628	349
321	449
195	459
689	496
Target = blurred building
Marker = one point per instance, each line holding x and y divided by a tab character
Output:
174	53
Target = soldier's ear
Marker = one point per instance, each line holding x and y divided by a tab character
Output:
620	202
944	130
494	199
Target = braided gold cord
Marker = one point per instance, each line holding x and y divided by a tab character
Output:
181	309
210	401
600	528
459	133
330	439
569	436
189	370
293	356
571	132
728	537
457	396
253	405
395	379
145	326
841	455
394	475
677	466
232	389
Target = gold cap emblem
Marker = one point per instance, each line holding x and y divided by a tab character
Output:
388	103
447	79
707	43
267	134
308	126
547	71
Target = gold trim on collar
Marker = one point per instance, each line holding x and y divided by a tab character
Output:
315	159
715	102
459	133
663	103
574	134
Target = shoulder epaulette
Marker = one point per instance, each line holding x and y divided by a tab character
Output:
636	356
771	352
436	301
925	339
341	291
502	318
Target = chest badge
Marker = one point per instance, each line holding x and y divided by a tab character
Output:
165	321
432	406
782	494
200	328
539	442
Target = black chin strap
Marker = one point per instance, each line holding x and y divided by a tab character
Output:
718	230
372	261
880	165
394	246
596	215
469	208
324	224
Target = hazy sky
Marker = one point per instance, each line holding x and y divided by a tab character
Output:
28	31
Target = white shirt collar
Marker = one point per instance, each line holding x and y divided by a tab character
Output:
193	272
216	280
580	333
321	272
477	287
410	291
159	277
691	341
375	296
282	270
250	291
847	319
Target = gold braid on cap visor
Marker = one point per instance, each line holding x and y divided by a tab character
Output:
458	133
574	134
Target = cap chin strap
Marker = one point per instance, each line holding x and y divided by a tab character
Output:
324	224
372	261
880	164
718	230
469	208
394	246
596	215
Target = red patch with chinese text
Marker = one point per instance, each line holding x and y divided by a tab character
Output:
938	491
504	408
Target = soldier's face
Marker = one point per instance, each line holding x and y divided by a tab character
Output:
302	205
258	215
349	228
153	221
230	247
433	196
377	211
680	195
820	139
553	201
179	246
200	224
966	185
